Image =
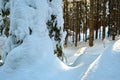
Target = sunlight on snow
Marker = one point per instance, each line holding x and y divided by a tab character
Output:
0	61
74	57
116	46
80	51
64	66
90	68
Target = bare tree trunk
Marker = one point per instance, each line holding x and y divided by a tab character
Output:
77	21
119	16
66	38
66	20
91	24
104	20
86	21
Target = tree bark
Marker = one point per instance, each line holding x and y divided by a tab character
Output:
77	21
104	20
91	24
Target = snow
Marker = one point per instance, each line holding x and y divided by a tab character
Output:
2	43
72	53
33	62
33	59
23	18
1	4
56	9
23	66
107	68
88	57
38	63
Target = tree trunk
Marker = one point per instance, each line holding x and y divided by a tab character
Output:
104	20
91	24
77	21
86	21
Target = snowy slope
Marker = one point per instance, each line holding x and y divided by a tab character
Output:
83	52
107	68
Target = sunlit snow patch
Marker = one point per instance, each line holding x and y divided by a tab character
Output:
77	54
116	46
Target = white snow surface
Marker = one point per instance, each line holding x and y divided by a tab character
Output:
107	67
33	61
30	61
2	43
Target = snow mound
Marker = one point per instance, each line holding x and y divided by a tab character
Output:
33	61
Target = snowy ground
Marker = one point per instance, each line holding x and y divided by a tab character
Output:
88	57
73	54
85	62
107	66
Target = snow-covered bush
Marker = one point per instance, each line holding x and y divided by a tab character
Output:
55	35
4	23
4	17
1	17
55	27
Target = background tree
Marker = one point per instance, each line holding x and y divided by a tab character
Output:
66	20
91	23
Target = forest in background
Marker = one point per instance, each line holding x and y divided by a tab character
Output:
95	19
81	16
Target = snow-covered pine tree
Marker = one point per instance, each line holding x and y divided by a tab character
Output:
4	17
1	22
55	28
24	26
18	30
1	17
55	35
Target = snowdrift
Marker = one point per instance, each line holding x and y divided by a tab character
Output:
107	68
33	61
